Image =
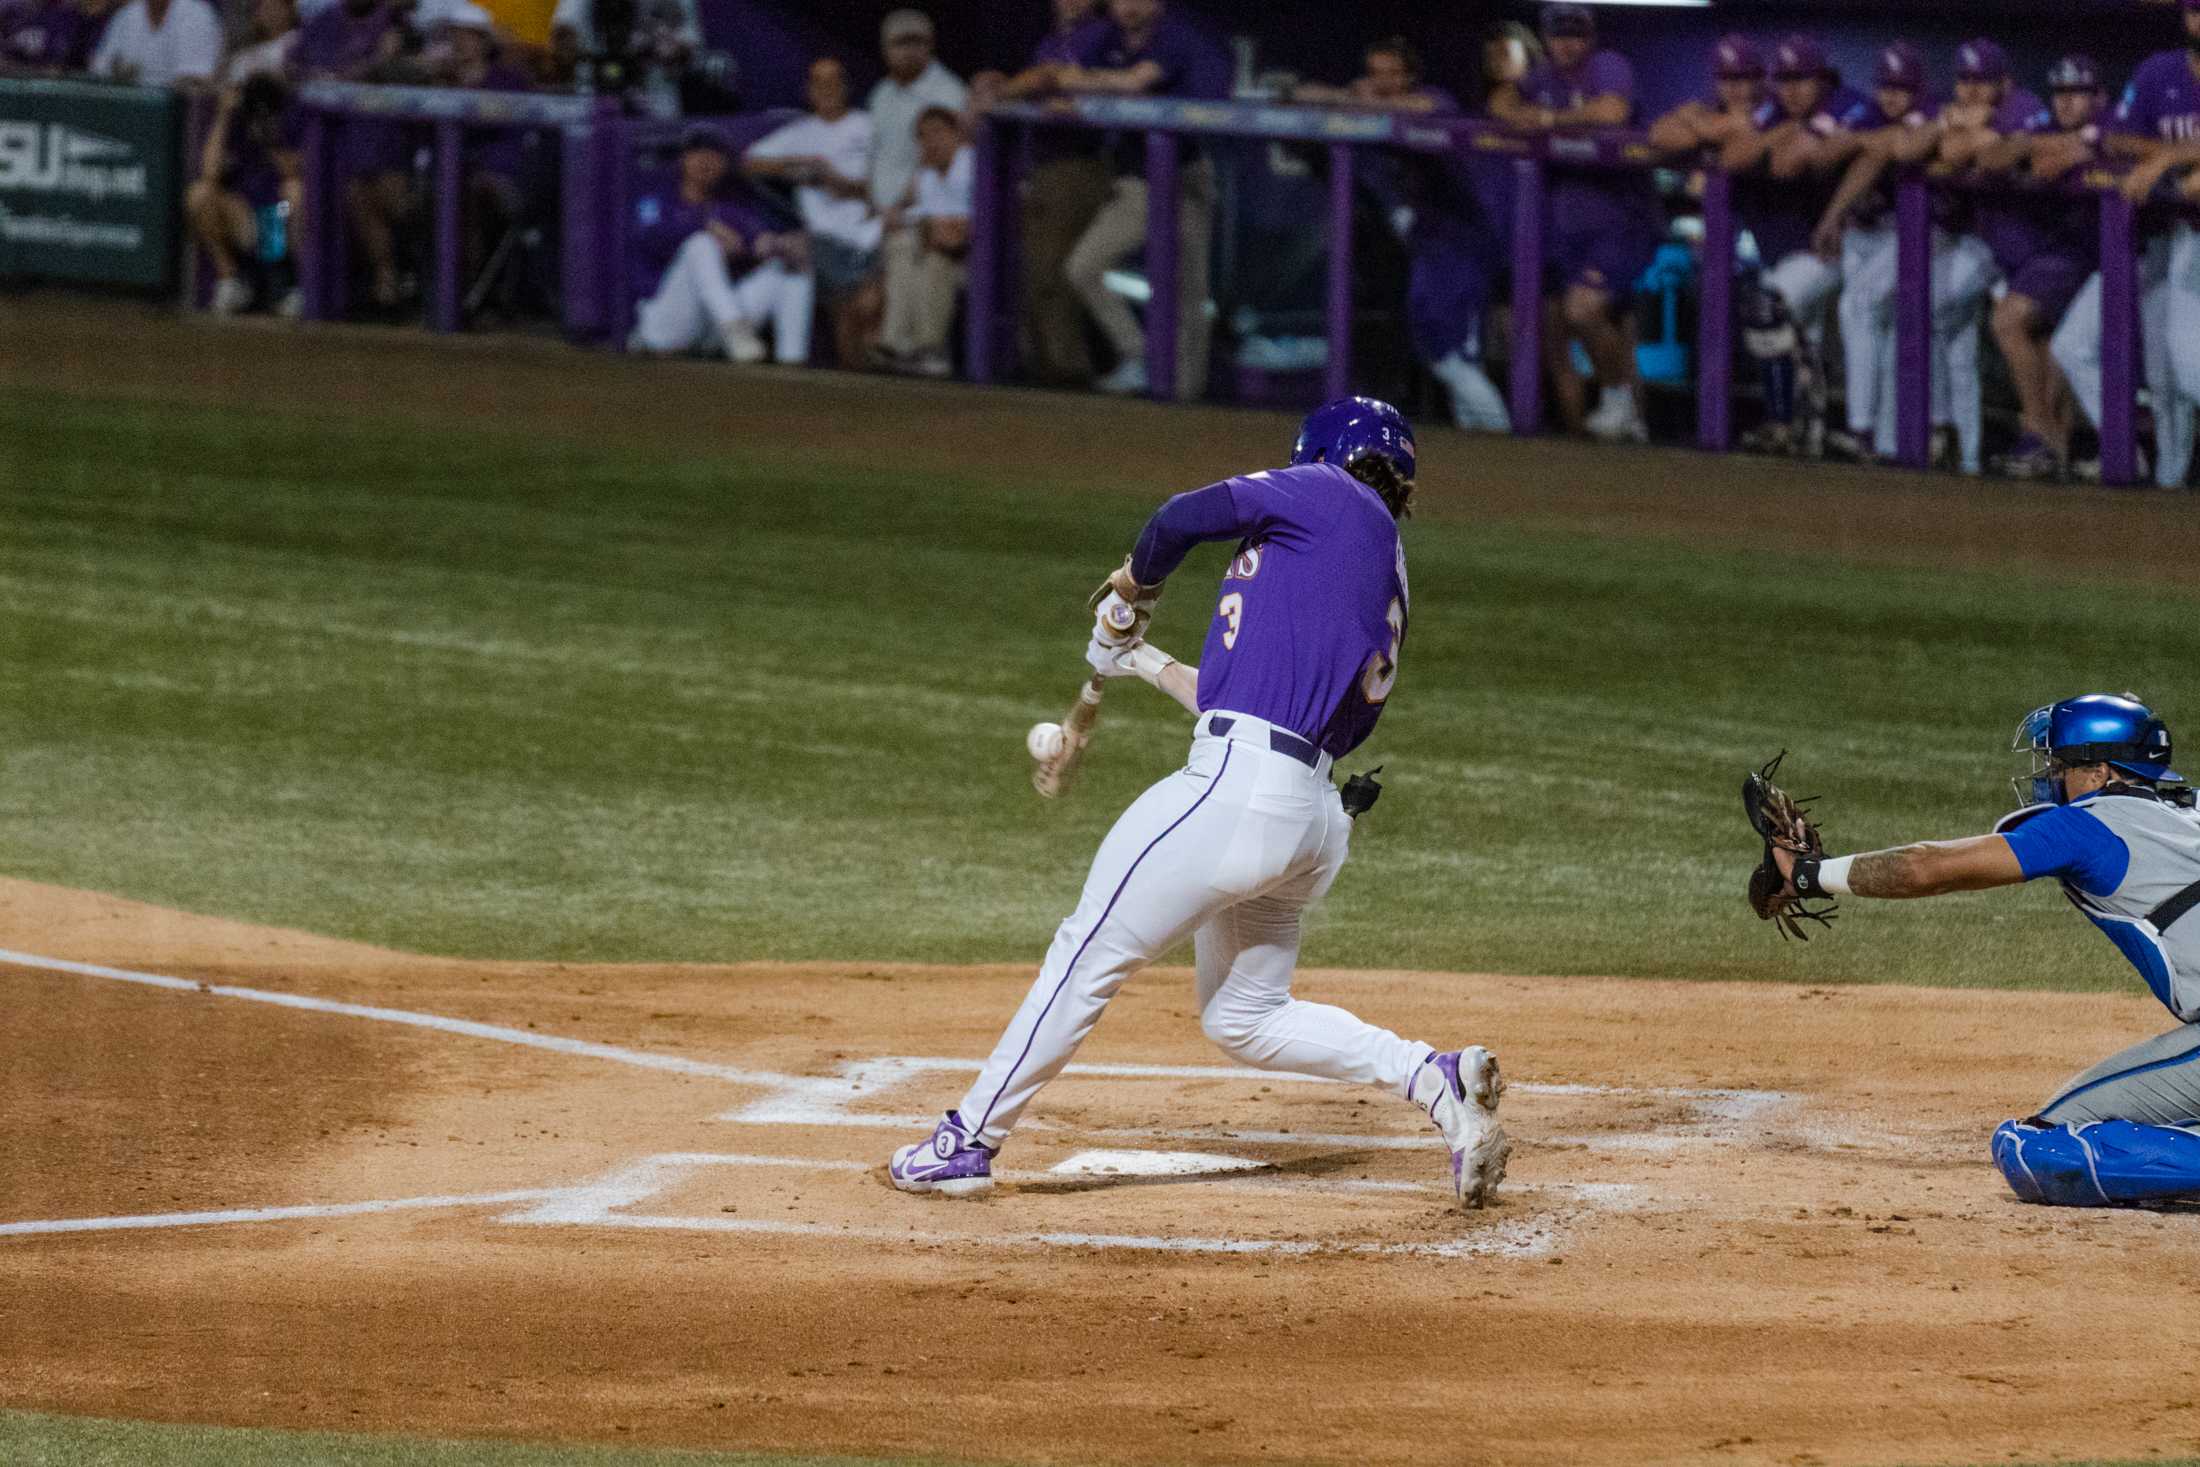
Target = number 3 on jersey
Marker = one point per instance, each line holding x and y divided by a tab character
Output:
1382	667
1232	608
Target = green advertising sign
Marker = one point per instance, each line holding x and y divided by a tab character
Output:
89	182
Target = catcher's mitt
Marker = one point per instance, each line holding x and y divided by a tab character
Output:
1779	818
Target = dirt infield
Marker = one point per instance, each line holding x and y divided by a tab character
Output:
1745	1223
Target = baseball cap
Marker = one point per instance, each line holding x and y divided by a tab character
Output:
1737	58
1900	65
903	24
2075	73
1981	60
1798	56
1569	20
706	135
466	15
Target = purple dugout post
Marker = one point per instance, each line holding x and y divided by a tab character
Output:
450	157
988	220
2119	339
1162	305
1527	302
322	263
588	206
1715	315
1338	377
1913	323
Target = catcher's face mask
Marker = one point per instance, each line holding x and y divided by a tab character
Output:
2038	780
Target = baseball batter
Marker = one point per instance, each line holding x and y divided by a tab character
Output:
2103	813
1300	660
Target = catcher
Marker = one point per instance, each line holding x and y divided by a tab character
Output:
2102	812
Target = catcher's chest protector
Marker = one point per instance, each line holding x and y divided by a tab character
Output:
2164	842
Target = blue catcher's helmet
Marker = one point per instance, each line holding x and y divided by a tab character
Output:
2098	728
1352	428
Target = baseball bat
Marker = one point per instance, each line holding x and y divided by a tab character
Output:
1052	776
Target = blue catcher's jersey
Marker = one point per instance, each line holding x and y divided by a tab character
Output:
2124	859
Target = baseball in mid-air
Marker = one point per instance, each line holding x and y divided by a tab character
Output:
1044	741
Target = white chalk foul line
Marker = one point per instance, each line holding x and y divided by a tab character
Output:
640	1059
270	1214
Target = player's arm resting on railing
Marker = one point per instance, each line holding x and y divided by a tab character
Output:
1748	148
1684	129
1863	174
1928	868
2006	153
1124	81
2156	159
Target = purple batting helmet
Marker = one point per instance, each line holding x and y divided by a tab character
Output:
1569	20
2075	73
1797	57
1736	58
1900	65
1981	60
1353	428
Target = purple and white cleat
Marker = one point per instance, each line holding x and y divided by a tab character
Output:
1460	1090
947	1162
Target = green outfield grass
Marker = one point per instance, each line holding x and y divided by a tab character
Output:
29	1439
500	695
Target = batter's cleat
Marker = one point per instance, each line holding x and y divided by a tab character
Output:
1460	1091
2030	459
949	1162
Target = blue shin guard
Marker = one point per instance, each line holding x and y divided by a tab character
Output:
2099	1164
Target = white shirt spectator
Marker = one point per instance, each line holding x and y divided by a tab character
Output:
944	193
846	148
894	110
268	58
185	46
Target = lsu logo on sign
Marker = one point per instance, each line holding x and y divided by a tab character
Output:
54	158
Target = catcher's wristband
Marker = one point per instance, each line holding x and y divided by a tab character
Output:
1815	877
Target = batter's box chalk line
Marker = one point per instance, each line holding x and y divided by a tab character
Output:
1715	1115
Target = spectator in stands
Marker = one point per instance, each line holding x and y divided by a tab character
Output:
1602	227
160	43
1068	181
1509	52
1451	249
721	271
470	54
248	201
827	157
643	46
926	244
2045	249
914	84
48	37
274	36
355	40
1144	51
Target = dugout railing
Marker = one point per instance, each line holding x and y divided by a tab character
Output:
1345	131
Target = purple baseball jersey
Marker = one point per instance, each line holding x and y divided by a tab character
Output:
337	44
2045	247
1781	212
1601	225
504	151
1190	67
663	222
2163	99
47	35
1313	608
249	164
1073	47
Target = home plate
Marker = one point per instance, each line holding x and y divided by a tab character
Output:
1151	1164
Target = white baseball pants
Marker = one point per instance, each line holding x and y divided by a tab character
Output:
1229	850
1962	273
698	298
2076	346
